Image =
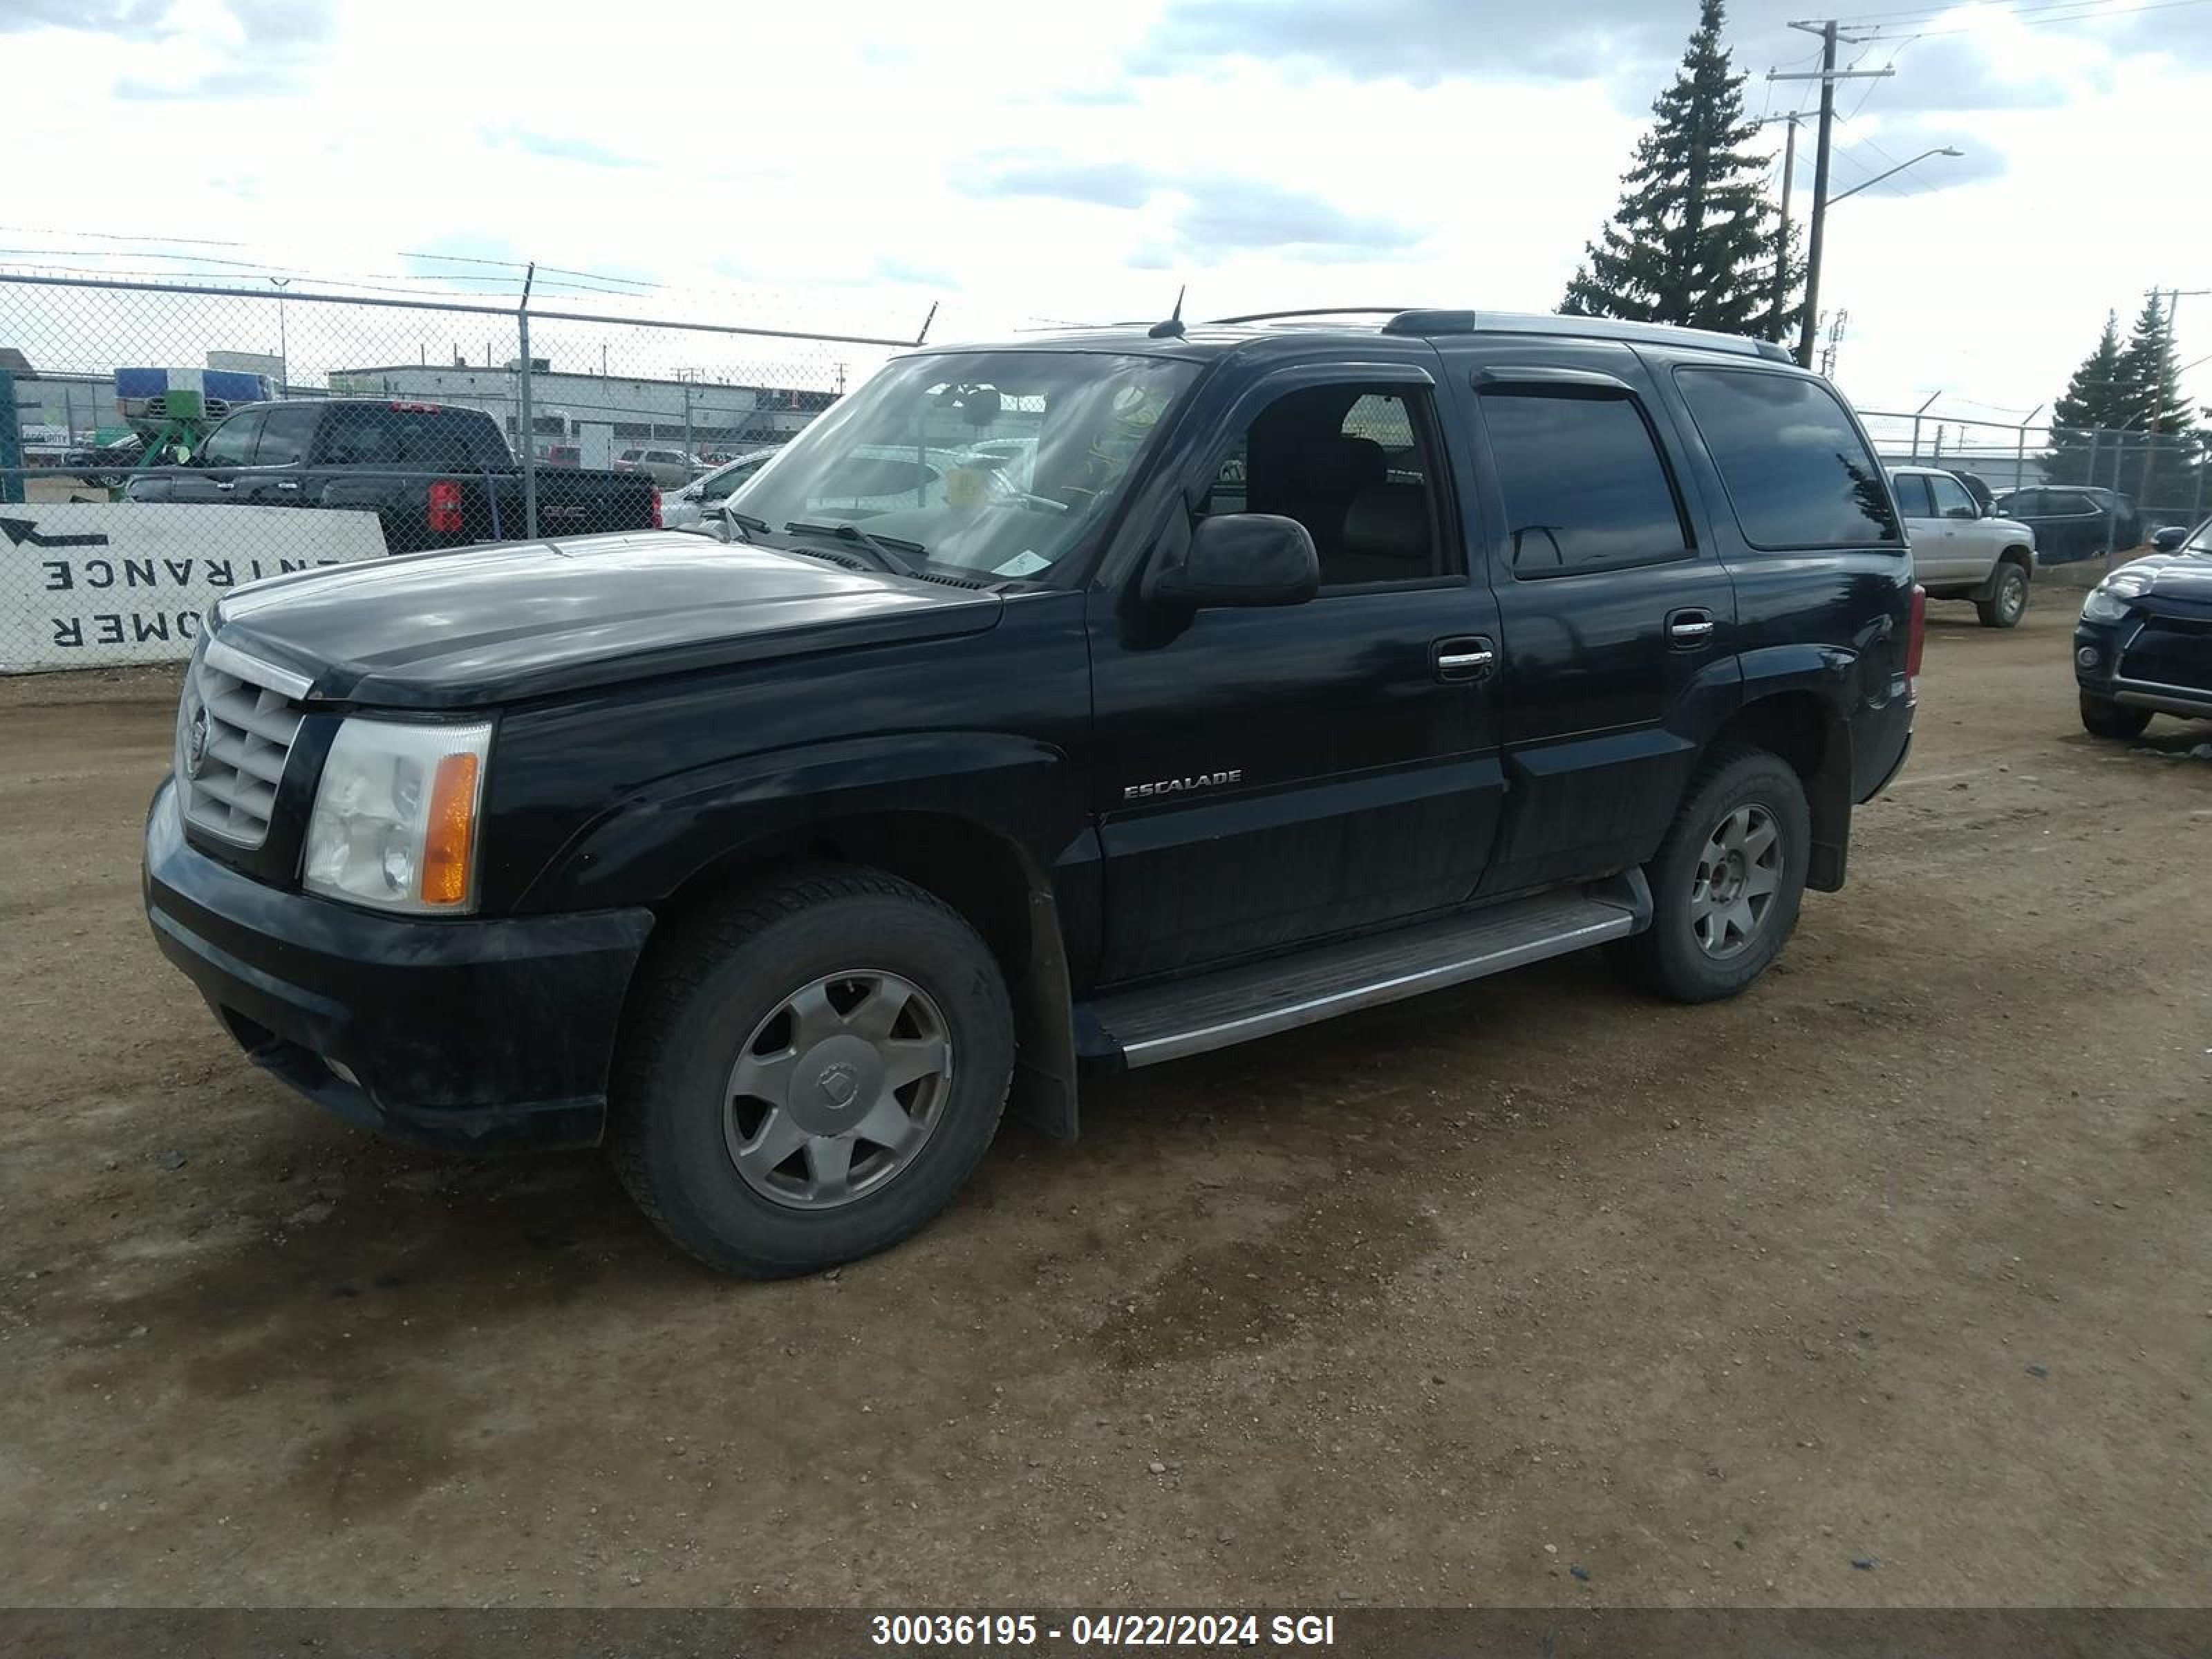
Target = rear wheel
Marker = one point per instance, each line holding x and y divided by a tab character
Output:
2008	601
812	1071
2103	718
1726	881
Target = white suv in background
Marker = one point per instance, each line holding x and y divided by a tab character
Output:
667	467
1961	552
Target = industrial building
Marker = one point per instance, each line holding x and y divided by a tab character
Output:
702	415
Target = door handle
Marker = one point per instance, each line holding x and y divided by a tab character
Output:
225	483
288	484
1688	629
1470	658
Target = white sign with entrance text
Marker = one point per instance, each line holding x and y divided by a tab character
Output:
95	584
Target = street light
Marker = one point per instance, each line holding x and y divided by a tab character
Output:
1899	168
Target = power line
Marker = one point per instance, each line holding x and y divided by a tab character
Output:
2025	11
1871	85
152	253
118	236
374	281
2061	11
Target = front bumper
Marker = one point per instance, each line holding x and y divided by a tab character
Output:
2114	679
489	1034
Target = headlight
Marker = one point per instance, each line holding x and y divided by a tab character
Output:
395	817
2108	599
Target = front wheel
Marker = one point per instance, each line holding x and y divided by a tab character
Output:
1726	881
2008	602
2103	718
812	1069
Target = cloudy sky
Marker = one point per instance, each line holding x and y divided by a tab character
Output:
848	164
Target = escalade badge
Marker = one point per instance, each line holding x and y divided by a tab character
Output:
196	742
1177	785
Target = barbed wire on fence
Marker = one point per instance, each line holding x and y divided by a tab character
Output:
2164	475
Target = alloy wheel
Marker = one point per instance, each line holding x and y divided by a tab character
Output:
837	1088
1739	872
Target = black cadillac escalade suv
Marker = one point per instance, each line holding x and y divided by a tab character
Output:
1252	673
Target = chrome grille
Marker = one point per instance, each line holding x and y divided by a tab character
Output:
229	774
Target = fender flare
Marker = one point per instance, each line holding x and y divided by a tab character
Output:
1826	678
695	830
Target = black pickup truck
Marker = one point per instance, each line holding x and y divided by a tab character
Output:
1316	664
435	475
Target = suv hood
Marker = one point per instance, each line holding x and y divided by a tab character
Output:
492	624
2184	577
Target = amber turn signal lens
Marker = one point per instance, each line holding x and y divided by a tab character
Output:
445	843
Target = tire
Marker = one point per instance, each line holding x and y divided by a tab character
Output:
1697	949
2008	601
786	1012
2103	718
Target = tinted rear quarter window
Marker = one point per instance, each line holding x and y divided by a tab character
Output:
1912	500
1797	471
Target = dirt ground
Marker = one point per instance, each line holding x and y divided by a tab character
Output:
1889	1283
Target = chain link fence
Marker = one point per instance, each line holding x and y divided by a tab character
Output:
2088	491
161	444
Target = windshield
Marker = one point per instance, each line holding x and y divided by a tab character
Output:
2201	542
996	465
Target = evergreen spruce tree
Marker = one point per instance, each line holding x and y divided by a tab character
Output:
1692	240
2093	398
2101	428
2159	470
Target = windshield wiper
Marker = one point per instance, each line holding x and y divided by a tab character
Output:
889	552
747	526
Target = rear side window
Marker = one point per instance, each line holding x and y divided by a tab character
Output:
1797	470
1583	483
1912	489
409	440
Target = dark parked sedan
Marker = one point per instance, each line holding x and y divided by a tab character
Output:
2073	521
2144	644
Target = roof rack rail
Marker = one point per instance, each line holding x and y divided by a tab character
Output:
1311	311
1427	323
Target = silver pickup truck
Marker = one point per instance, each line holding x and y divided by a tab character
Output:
1960	552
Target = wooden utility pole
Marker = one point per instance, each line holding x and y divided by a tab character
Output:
1827	75
1781	235
1819	195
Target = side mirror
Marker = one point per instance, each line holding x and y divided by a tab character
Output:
2169	539
1237	559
